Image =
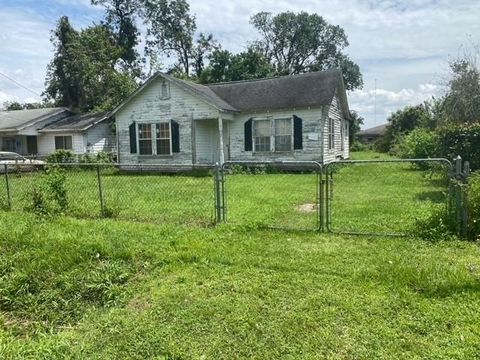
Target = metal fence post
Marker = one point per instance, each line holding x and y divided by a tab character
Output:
100	191
218	194
7	184
459	197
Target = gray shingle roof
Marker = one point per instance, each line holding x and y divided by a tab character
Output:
303	90
80	122
309	89
18	119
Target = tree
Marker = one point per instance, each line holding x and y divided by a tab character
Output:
83	74
62	82
225	66
403	122
461	103
15	105
120	19
300	42
355	121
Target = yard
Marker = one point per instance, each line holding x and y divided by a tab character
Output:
116	288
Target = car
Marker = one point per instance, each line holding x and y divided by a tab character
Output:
17	162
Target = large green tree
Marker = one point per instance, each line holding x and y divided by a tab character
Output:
83	74
301	42
120	16
225	66
461	103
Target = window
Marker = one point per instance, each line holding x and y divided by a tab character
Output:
63	143
331	133
154	139
163	139
145	139
164	91
283	134
262	135
272	135
342	136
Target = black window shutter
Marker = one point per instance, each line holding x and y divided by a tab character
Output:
175	136
297	133
133	138
248	135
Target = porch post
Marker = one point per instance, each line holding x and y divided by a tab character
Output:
220	131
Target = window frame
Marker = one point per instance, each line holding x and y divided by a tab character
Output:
272	125
153	139
63	137
331	133
164	95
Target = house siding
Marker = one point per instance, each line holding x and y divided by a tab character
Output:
100	138
335	112
312	120
149	107
46	143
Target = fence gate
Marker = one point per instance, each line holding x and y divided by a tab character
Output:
285	195
385	196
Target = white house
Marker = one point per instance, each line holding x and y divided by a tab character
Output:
42	131
172	121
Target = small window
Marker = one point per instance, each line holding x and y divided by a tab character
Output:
261	135
331	133
165	94
163	138
63	143
145	139
283	134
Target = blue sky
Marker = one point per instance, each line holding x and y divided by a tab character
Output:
404	45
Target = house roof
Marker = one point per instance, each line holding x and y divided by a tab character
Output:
292	91
303	90
76	122
19	119
376	130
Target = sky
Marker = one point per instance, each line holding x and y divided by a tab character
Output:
402	47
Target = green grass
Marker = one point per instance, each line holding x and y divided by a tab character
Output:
121	289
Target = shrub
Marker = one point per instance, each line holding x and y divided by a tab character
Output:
473	193
61	157
420	143
49	196
463	140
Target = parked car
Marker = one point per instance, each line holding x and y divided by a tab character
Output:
17	162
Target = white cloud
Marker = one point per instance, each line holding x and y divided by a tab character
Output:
381	103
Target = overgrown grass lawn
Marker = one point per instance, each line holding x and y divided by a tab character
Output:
159	288
107	289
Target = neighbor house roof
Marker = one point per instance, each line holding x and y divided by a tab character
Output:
79	122
376	130
16	120
292	91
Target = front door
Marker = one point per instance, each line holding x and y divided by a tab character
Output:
206	141
32	148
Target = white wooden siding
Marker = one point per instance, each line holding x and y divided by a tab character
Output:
335	112
46	142
100	138
149	106
311	131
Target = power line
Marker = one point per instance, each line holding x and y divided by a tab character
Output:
19	84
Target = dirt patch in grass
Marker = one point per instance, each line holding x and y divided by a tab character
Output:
306	208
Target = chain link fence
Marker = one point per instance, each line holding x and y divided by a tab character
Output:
284	195
386	196
145	193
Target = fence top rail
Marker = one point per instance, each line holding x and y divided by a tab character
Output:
446	161
198	166
279	162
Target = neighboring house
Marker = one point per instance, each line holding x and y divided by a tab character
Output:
42	131
369	136
172	121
